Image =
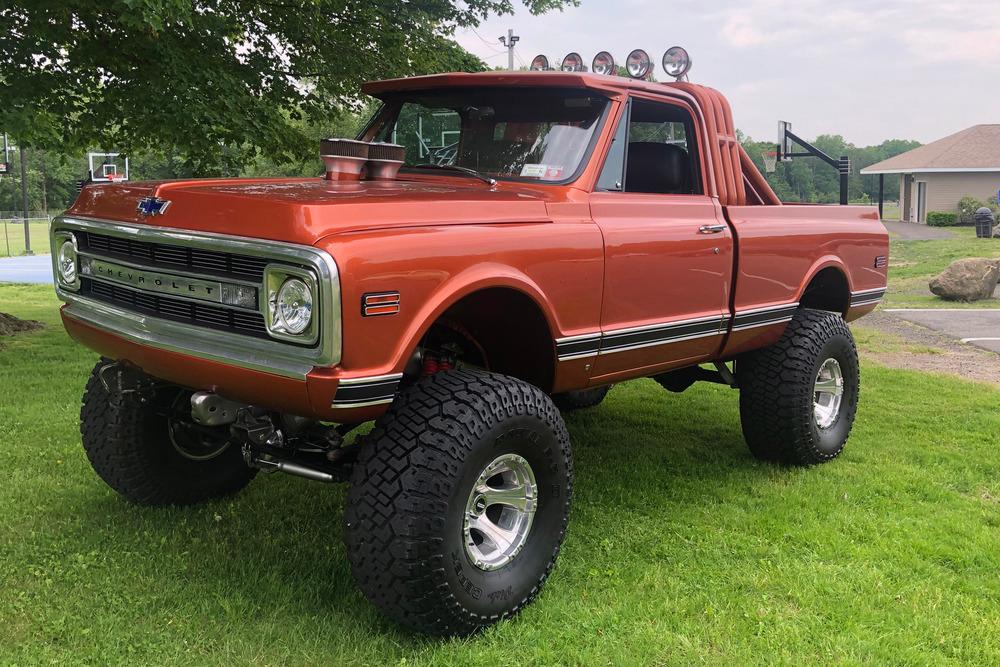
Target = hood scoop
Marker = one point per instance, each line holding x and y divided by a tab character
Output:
343	158
384	160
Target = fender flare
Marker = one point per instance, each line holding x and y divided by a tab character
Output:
821	263
473	279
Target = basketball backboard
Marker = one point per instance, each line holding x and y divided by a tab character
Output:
107	167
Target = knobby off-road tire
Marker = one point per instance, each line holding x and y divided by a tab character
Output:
129	445
778	391
411	490
581	398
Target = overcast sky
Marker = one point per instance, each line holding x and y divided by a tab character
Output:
869	70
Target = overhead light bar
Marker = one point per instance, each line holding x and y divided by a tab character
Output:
638	65
572	63
677	62
539	63
604	63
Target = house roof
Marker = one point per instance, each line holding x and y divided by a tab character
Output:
974	149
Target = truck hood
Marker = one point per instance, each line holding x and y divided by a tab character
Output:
306	210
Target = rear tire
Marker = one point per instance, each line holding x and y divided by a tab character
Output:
141	447
581	398
414	501
799	397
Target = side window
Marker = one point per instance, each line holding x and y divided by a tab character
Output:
661	155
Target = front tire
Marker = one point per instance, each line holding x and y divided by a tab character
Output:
437	522
142	446
799	397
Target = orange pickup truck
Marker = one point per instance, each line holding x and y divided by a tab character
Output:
491	250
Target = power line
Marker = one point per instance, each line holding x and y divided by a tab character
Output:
519	58
491	45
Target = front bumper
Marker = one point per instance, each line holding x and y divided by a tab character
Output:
313	394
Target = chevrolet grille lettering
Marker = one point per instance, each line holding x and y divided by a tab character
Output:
154	281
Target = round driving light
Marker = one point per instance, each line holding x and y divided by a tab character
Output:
572	63
66	262
604	63
294	303
638	65
539	63
676	62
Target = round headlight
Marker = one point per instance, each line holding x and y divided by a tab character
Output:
66	262
604	63
572	63
294	305
539	63
638	65
676	62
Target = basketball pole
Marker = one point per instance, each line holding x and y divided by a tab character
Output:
843	165
6	234
24	198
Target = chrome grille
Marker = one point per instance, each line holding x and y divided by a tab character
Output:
213	317
166	256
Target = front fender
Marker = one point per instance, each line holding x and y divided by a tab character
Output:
558	266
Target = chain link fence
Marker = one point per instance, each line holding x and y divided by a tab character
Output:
16	237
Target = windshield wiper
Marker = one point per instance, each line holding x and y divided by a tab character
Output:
453	167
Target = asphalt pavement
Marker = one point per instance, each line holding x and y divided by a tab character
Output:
916	231
976	326
30	269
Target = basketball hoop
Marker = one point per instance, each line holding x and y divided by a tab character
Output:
770	161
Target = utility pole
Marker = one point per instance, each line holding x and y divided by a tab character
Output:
509	41
24	198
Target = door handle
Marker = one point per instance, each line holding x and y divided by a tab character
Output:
711	229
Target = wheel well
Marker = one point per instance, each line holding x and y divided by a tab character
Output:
502	329
828	290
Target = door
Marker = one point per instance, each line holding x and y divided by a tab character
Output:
668	249
921	201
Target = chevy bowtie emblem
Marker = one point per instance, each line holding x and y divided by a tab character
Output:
152	206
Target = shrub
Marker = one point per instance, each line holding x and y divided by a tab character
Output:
967	207
941	219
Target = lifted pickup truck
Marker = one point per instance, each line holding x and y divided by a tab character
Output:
492	249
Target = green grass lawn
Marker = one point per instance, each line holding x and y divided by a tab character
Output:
890	210
12	238
682	548
912	264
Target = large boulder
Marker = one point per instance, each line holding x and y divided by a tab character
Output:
969	279
996	232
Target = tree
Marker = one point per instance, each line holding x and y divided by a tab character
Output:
199	76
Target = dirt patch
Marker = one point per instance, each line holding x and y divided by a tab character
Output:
10	325
896	343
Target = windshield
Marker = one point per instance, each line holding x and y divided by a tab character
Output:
538	135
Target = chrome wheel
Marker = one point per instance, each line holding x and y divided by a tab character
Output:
828	393
499	512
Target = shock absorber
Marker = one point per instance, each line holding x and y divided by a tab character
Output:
431	366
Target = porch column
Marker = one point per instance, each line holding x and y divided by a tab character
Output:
881	194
